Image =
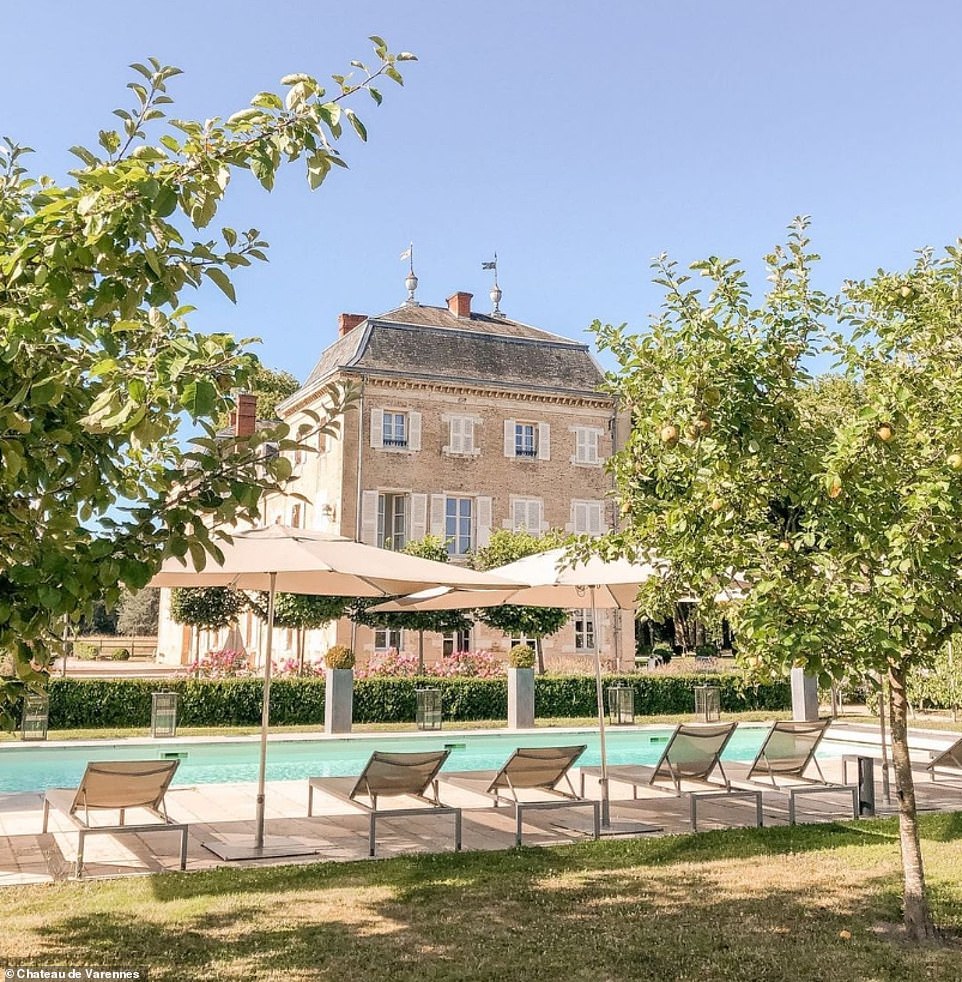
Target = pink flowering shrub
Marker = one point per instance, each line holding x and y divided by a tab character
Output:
288	668
399	664
226	663
475	664
391	664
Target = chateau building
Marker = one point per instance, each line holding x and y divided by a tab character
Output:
464	423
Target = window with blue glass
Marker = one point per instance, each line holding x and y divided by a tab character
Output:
395	429
525	440
459	525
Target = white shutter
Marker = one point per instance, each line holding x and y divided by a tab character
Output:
456	435
484	522
578	517
377	427
369	517
519	513
437	515
509	425
591	446
595	517
544	441
467	437
533	517
414	431
419	516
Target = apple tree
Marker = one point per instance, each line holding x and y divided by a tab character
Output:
839	501
99	368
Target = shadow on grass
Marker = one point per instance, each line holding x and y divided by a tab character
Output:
942	827
532	915
607	855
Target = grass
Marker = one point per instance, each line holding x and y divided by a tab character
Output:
773	905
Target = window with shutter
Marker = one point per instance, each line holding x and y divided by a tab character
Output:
588	517
525	440
459	526
394	432
584	631
586	445
392	521
526	514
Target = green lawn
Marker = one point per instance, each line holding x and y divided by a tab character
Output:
802	904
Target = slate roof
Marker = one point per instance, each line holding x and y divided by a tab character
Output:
431	343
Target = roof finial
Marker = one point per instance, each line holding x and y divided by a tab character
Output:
410	281
495	293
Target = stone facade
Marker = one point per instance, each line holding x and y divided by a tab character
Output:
464	423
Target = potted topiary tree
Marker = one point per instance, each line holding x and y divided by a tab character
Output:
339	692
521	687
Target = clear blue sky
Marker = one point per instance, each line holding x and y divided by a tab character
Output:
576	139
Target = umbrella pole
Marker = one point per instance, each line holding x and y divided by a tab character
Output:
265	717
605	809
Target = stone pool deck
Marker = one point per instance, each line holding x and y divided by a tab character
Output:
338	832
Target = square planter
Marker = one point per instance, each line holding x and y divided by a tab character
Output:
339	700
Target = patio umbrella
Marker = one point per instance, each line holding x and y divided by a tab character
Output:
292	560
595	583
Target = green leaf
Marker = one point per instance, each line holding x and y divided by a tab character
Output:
267	100
356	123
199	398
223	281
165	202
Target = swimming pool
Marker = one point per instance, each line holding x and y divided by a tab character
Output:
38	767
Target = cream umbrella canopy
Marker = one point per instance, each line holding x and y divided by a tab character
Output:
554	581
292	560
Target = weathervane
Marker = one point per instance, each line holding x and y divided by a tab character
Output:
495	293
410	281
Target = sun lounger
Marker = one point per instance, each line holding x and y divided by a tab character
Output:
118	786
784	759
411	775
686	767
528	781
948	761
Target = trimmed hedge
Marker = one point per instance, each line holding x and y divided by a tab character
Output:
91	703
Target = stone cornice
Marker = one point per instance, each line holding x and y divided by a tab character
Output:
375	381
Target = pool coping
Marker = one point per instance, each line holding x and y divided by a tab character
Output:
304	736
853	733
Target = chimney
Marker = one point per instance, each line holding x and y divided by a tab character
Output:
460	304
347	322
243	417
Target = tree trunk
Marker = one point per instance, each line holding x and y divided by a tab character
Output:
301	639
539	651
421	651
918	920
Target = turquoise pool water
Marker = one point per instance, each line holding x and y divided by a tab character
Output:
38	767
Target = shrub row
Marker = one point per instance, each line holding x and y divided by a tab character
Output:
89	703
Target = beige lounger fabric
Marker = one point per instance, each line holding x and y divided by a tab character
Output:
529	781
410	775
117	786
